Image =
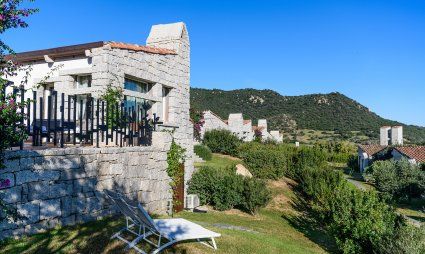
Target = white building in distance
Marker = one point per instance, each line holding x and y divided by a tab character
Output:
243	129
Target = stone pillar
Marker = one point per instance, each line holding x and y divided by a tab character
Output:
175	37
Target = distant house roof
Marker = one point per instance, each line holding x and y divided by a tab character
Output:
413	152
246	122
79	50
259	128
372	149
214	114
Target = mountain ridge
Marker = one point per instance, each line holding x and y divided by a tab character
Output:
326	112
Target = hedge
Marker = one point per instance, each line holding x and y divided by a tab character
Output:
222	141
224	189
203	151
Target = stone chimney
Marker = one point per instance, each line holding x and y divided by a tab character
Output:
174	36
397	135
235	121
170	36
391	135
385	135
262	123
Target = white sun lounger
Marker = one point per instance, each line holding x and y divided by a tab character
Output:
139	223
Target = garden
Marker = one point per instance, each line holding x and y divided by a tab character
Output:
358	221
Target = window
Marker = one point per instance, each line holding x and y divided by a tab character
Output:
83	81
165	103
137	86
139	105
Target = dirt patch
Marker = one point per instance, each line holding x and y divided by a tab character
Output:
282	195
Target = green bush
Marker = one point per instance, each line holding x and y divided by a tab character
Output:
222	141
397	179
203	151
255	195
308	157
407	239
269	161
224	189
265	163
359	221
336	151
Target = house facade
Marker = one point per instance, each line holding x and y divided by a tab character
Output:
157	74
391	142
63	185
366	155
243	129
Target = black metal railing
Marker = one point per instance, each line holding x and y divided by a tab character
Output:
59	120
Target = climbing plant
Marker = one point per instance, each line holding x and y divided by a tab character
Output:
112	95
175	158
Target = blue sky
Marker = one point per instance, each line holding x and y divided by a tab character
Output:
371	51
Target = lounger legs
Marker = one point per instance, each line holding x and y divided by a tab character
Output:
212	245
163	247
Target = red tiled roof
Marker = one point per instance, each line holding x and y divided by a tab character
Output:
254	128
413	152
135	47
372	149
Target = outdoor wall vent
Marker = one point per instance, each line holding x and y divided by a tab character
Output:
192	201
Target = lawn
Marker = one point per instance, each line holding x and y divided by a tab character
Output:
220	160
278	228
275	229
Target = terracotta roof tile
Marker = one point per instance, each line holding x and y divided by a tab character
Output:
413	152
372	149
135	47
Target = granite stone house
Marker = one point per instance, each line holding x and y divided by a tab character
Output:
390	147
60	186
240	127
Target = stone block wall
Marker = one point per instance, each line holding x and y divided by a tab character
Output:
65	186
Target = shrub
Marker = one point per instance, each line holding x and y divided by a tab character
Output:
336	151
254	195
222	141
265	163
397	179
308	157
224	189
269	161
359	221
219	187
407	239
353	162
203	151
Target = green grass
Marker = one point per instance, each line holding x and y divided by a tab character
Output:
308	136
278	228
219	160
273	230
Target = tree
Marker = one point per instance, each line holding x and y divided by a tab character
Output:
12	131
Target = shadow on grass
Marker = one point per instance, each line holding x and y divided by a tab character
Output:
304	222
91	237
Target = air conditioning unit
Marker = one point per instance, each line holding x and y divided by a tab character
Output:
192	201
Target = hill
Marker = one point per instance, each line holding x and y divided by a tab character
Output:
325	112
